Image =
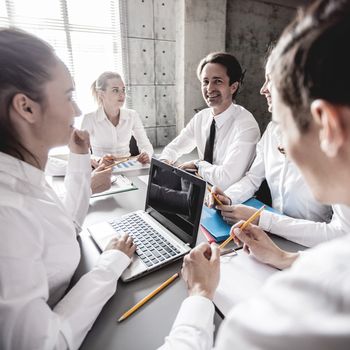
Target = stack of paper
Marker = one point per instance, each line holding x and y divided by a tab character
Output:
241	277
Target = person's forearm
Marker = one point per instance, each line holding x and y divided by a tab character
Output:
286	260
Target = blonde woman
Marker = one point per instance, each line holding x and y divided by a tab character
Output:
111	126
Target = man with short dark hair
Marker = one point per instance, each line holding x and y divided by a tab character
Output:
225	134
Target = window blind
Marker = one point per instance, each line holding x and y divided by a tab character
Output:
89	36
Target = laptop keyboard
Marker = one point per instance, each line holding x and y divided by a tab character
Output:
152	247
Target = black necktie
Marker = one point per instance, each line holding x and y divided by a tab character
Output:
209	145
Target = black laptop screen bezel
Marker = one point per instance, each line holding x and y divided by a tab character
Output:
187	238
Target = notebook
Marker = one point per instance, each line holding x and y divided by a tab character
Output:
167	229
217	227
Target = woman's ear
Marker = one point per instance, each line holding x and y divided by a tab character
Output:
25	108
332	133
100	96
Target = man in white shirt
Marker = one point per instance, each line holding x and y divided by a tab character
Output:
225	134
308	305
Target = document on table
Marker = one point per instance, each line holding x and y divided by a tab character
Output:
241	277
129	165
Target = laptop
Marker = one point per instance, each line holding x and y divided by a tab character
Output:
167	229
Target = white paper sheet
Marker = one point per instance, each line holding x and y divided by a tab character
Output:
241	277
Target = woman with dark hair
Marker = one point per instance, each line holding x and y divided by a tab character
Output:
39	251
111	126
308	305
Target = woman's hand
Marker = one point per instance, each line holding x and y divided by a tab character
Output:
79	142
257	243
107	160
101	179
124	243
143	158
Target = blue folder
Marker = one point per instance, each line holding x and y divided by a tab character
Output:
218	227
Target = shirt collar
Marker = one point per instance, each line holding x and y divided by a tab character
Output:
221	118
101	115
21	170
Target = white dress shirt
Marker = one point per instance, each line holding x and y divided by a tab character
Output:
39	253
304	307
236	135
289	192
106	138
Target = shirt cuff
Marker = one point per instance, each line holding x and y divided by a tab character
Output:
266	220
114	261
196	311
79	163
169	155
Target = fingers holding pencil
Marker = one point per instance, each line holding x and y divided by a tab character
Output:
242	227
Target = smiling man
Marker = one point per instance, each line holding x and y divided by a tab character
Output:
225	134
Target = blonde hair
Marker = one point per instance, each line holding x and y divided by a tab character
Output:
101	83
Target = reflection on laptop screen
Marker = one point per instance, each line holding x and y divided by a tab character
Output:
175	198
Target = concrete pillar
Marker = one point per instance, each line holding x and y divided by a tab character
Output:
200	29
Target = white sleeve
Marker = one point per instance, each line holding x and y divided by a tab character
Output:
80	307
237	160
141	138
193	327
305	307
27	321
306	232
86	124
250	183
184	143
78	186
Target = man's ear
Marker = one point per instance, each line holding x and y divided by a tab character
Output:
329	119
25	107
234	87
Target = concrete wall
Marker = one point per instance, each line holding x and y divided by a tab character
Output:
200	30
251	26
151	48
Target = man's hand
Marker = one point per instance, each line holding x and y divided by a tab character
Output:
79	142
188	166
234	213
257	243
143	158
201	270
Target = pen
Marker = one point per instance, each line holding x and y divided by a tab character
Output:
228	251
148	297
244	225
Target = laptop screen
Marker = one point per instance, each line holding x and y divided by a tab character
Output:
175	199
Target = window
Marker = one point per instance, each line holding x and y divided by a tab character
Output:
87	36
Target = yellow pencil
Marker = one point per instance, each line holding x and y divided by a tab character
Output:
214	195
161	287
148	297
244	225
118	162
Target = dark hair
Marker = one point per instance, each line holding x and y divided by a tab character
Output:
312	59
101	83
24	68
230	62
